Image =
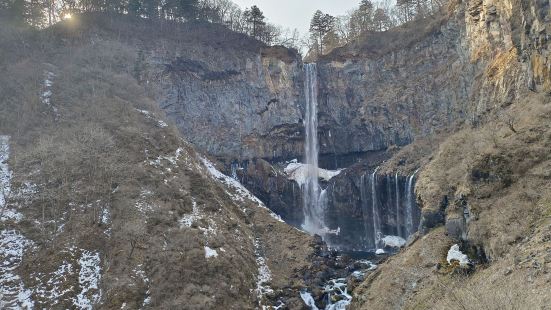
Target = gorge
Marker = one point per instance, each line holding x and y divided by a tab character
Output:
159	164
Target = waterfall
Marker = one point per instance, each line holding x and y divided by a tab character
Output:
375	210
365	208
410	204
398	222
313	209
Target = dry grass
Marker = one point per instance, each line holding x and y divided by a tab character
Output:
95	156
503	177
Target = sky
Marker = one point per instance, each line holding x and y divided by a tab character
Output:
297	13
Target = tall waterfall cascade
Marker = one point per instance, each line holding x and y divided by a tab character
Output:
313	206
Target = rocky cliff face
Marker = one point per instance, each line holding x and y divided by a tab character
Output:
509	41
235	104
385	89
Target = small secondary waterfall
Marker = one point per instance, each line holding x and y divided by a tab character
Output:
365	211
313	208
397	190
388	208
409	204
375	210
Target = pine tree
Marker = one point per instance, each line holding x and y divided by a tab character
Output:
255	18
320	25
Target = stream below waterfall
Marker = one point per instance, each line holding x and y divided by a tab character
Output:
335	293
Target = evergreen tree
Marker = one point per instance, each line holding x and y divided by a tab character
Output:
320	25
255	18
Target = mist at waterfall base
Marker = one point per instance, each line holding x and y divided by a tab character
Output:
386	208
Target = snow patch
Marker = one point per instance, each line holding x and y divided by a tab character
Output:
149	115
188	219
299	172
455	254
141	274
394	241
51	285
240	193
46	95
88	279
13	293
106	220
210	252
264	274
5	182
172	160
142	205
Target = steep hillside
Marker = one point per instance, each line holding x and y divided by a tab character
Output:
489	187
106	204
486	183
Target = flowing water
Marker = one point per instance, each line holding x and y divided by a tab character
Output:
398	221
375	211
313	208
410	203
